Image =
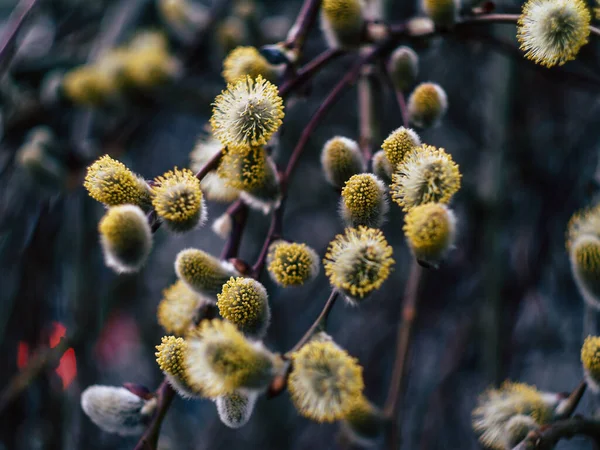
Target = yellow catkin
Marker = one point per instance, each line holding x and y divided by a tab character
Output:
291	263
247	61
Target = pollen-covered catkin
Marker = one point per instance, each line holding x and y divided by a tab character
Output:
583	246
243	61
340	159
235	409
117	410
590	359
400	143
442	12
342	22
364	201
170	357
427	174
552	32
430	231
110	182
202	272
178	307
403	68
325	381
126	238
220	360
247	113
497	406
178	200
358	262
245	303
292	264
427	105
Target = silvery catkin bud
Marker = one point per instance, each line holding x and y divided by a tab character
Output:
126	238
382	167
403	68
235	409
340	159
203	272
427	105
117	410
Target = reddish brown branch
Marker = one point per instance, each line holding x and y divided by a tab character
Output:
548	436
309	70
279	383
165	395
210	165
409	312
239	214
304	22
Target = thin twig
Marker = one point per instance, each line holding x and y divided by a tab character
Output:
547	437
239	214
165	395
304	22
568	406
273	234
279	383
13	25
318	323
309	70
210	165
409	312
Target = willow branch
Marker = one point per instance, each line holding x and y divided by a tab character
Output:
13	25
239	214
279	382
409	312
304	22
547	437
309	70
568	406
165	395
210	165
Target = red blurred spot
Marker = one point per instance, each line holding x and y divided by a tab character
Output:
116	339
58	332
67	368
22	354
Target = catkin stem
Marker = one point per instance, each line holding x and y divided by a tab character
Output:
13	25
409	312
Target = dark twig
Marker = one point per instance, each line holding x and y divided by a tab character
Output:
279	383
13	25
569	405
548	436
239	214
319	323
165	395
309	70
409	312
210	165
304	22
273	234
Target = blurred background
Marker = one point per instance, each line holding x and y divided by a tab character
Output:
503	305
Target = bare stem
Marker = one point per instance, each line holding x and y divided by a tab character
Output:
547	437
329	101
365	113
309	70
318	323
568	406
239	214
304	22
409	312
165	395
279	383
13	25
210	165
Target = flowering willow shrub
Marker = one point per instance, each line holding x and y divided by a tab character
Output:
217	314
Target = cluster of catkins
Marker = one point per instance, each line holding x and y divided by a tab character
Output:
143	63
